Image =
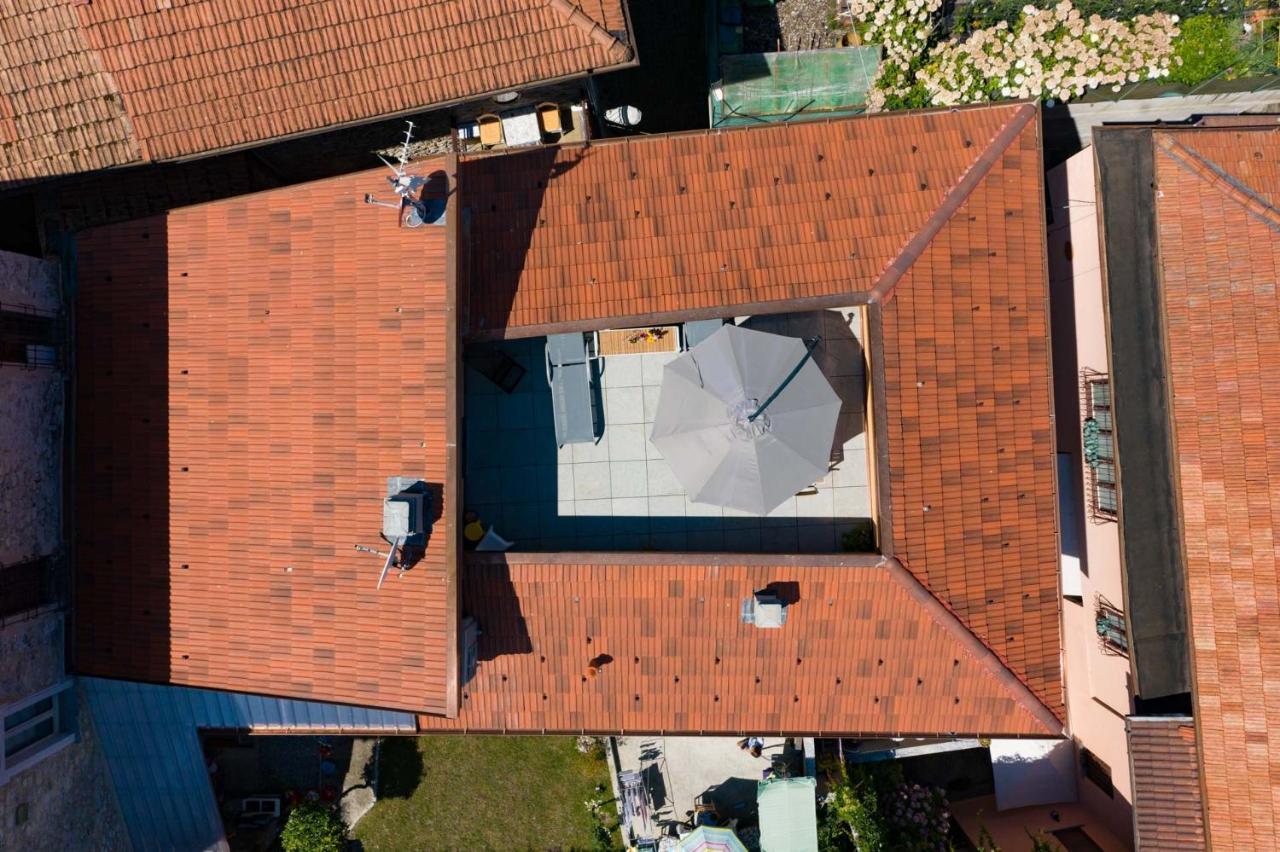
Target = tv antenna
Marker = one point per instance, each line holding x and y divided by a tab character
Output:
389	556
407	187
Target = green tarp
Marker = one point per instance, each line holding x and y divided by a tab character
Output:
788	815
758	87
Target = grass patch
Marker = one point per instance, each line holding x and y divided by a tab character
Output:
484	792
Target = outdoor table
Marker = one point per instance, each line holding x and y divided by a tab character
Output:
520	127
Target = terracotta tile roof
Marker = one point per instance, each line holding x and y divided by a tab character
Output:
970	443
246	385
1168	815
1219	253
864	649
201	76
704	221
60	111
938	217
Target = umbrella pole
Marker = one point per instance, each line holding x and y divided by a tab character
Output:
809	346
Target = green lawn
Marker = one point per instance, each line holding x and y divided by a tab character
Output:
483	792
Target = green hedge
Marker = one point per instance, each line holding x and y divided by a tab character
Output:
1206	46
313	827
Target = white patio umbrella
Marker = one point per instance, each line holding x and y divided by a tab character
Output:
746	419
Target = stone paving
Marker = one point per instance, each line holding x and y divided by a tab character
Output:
619	493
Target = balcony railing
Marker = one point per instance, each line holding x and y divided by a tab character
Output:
1098	445
1113	632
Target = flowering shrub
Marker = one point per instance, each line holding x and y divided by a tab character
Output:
871	808
919	818
1045	53
904	30
1053	53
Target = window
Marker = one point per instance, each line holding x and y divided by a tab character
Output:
25	586
1099	446
1097	772
1113	632
1076	839
28	336
36	727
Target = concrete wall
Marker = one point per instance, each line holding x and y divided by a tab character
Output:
1098	684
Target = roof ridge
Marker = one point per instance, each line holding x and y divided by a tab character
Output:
952	623
883	289
1213	174
573	13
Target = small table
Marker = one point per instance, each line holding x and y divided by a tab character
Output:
619	341
520	127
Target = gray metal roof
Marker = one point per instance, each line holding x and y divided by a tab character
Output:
149	736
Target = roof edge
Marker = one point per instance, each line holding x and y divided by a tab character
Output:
949	621
883	289
452	508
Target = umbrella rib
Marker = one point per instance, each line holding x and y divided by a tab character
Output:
809	346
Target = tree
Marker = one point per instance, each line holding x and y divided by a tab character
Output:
313	827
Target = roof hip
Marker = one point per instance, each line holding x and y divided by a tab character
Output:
883	289
981	652
1219	179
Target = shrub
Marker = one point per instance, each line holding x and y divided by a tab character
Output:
313	827
1055	53
1203	49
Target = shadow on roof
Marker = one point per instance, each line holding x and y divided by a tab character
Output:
121	496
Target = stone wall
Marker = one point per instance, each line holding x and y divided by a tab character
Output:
31	415
68	798
31	656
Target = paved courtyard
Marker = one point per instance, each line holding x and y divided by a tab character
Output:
619	493
679	772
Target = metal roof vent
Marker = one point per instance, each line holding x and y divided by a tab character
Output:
764	610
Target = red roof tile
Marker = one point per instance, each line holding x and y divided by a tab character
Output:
247	385
60	111
1219	253
710	220
970	443
938	216
121	83
864	649
1168	815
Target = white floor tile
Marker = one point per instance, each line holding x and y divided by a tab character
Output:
592	452
623	406
629	479
621	371
627	442
591	481
662	479
630	507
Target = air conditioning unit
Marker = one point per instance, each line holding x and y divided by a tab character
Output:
764	610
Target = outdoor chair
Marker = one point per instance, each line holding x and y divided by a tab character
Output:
699	330
490	130
569	375
549	120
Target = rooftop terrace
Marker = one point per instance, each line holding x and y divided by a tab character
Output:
619	493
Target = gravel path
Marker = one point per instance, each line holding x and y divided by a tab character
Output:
790	25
